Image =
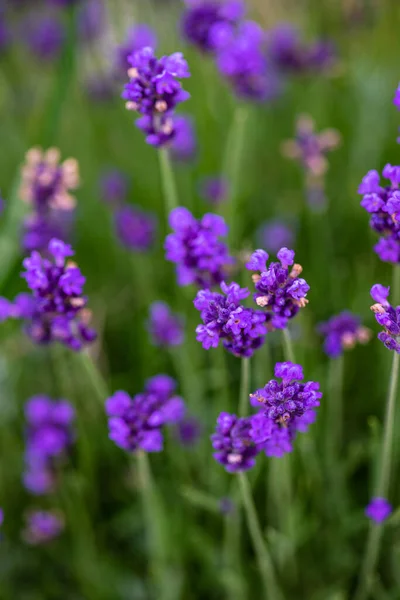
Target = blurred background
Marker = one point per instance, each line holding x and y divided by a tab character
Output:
62	70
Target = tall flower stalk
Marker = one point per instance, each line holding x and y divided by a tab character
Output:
168	181
244	386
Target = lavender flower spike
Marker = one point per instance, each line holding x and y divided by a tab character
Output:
286	408
396	99
342	332
55	311
165	328
154	91
234	446
136	423
241	329
280	291
387	316
378	510
195	248
43	526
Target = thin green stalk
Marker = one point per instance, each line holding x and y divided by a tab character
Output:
244	387
154	526
334	423
288	346
375	530
231	169
265	565
168	181
94	376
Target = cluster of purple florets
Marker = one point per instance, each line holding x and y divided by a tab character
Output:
387	316
286	408
42	526
165	328
280	291
383	204
136	423
154	90
242	330
200	257
252	59
49	436
342	332
46	185
55	311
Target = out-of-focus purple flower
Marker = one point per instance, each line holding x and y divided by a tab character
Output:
184	143
188	431
280	291
1	517
90	18
154	91
383	204
46	186
244	62
137	37
166	328
396	99
206	23
275	234
136	423
289	53
100	87
55	311
135	228
378	510
214	189
43	526
49	436
242	330
2	204
5	36
45	36
195	248
227	506
113	187
342	332
235	449
387	316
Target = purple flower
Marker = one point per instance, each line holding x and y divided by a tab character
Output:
378	510
46	186
154	91
113	187
243	60
135	228
387	316
242	330
285	400
165	328
280	291
383	205
396	99
194	247
341	332
188	431
136	423
227	506
214	189
274	234
91	19
234	446
55	311
49	436
45	36
43	526
137	37
184	143
206	23
1	517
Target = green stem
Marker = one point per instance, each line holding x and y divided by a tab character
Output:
288	346
244	387
265	565
334	422
94	376
231	169
168	181
375	531
154	525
